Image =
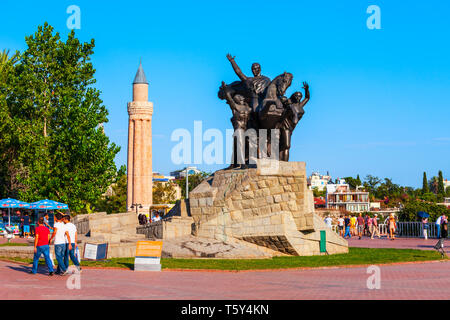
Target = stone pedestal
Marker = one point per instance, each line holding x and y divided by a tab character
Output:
269	206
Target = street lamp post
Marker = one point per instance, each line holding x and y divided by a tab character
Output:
187	183
137	206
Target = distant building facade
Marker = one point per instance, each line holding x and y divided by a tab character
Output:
318	181
182	173
446	183
341	197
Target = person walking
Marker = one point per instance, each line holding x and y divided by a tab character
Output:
328	221
443	235
347	223
375	227
392	226
438	226
341	226
353	225
369	226
71	243
46	223
26	225
425	228
41	247
59	232
361	224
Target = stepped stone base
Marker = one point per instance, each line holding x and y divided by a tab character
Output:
269	206
118	230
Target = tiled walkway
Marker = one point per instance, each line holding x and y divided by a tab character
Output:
404	281
409	281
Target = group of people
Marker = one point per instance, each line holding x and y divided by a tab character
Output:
350	225
441	227
143	219
64	237
23	220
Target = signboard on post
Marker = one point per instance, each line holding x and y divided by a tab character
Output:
148	256
95	251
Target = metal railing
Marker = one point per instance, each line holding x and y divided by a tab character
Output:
415	230
404	230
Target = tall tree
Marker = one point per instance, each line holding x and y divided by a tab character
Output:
56	116
441	189
425	188
7	159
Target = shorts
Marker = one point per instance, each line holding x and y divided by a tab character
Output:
26	229
341	227
360	228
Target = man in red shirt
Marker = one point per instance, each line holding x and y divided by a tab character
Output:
41	247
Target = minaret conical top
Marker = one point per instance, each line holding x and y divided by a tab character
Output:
140	76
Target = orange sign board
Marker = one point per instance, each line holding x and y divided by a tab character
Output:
149	248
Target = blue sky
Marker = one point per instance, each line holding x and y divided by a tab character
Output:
379	98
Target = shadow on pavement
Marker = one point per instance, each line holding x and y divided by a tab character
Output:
25	269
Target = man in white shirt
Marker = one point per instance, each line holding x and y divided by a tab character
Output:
71	243
341	226
156	217
59	236
438	226
328	221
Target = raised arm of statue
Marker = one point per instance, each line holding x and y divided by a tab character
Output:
236	69
305	101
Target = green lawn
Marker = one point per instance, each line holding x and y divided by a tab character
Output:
11	244
355	256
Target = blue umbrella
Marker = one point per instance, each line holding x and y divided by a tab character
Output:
49	205
423	214
13	203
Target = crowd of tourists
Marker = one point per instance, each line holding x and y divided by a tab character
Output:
359	226
64	237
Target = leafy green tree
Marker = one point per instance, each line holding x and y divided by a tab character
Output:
429	197
56	116
194	180
163	193
352	182
433	185
371	183
410	210
318	193
116	202
425	188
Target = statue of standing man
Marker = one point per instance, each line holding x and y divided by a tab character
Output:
256	84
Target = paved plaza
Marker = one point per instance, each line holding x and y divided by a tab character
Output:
430	280
407	281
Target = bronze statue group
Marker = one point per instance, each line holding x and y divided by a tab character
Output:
259	105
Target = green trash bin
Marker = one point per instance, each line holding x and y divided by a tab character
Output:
323	241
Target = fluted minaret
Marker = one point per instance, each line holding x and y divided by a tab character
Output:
139	168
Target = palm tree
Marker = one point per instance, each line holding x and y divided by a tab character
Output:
5	59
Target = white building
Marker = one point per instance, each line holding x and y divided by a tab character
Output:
316	180
340	197
446	184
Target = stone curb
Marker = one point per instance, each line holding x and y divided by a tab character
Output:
260	270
